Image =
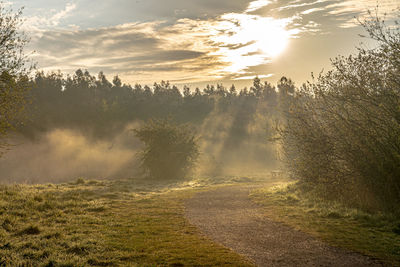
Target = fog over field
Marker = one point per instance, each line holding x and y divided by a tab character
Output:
62	155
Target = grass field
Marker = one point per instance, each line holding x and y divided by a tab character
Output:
104	223
140	223
376	235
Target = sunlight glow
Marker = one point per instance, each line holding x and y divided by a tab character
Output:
250	40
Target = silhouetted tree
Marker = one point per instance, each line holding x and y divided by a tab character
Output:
257	87
117	81
232	90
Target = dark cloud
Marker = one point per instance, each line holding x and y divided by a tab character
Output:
236	46
110	39
157	57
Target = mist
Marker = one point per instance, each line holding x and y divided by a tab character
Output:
64	154
227	148
235	143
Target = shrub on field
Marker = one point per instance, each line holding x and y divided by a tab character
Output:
170	150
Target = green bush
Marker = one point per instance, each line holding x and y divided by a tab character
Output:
170	150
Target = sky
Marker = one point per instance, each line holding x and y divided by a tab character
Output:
195	41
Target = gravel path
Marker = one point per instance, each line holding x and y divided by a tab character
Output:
229	217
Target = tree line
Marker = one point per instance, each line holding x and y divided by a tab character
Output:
101	107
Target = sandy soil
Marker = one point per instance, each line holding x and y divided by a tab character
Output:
229	217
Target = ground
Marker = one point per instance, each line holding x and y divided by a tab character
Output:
203	222
229	217
104	223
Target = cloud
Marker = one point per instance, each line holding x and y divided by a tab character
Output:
262	76
55	19
187	49
106	13
312	10
255	5
349	11
158	57
300	4
357	6
138	50
337	13
40	22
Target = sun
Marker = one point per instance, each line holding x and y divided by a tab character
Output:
273	40
249	40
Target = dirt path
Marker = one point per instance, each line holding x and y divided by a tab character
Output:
228	216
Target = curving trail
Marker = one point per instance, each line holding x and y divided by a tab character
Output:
229	217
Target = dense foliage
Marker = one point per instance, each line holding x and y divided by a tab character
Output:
170	150
101	107
342	132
